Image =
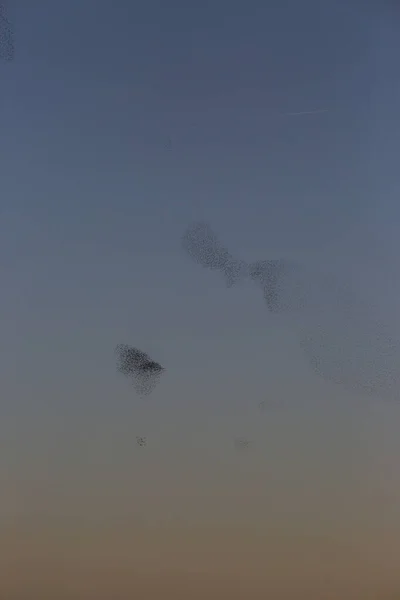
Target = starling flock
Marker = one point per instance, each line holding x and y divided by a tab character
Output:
338	333
139	367
6	36
203	246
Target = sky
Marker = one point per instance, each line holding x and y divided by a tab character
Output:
120	124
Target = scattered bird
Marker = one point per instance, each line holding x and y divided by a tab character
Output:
141	441
242	444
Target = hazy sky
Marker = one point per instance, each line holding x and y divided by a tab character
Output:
120	124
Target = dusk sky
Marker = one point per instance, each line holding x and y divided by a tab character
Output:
120	124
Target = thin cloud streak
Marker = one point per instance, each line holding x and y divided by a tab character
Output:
306	112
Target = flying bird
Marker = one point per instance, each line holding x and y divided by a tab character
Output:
203	246
6	37
139	367
339	332
273	276
242	444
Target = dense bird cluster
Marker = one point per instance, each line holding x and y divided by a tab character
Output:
139	367
339	334
6	37
203	246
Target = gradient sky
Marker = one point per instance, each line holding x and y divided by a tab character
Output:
120	124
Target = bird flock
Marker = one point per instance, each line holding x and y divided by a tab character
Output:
139	367
338	333
6	36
